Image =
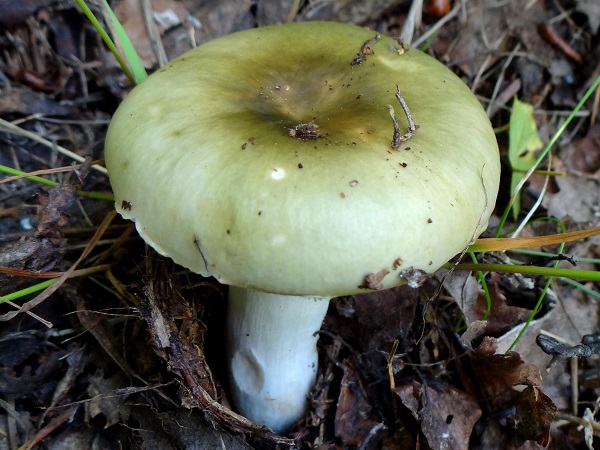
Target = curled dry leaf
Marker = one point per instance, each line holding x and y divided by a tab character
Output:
22	100
503	315
447	415
534	414
464	289
354	416
383	317
28	364
496	374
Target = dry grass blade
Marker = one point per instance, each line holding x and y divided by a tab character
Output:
41	172
46	275
437	26
153	34
51	427
499	244
12	128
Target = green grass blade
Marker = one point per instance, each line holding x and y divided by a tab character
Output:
46	182
139	72
28	290
538	305
107	40
589	275
582	287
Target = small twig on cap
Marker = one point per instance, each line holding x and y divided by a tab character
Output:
412	128
365	50
397	139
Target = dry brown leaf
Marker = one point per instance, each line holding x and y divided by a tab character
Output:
447	415
464	289
103	400
354	416
27	363
503	315
496	373
22	100
384	316
182	429
583	156
577	198
535	412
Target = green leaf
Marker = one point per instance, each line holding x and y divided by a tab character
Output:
524	141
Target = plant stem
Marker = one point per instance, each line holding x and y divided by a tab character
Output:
592	275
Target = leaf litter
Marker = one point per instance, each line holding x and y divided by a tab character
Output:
120	367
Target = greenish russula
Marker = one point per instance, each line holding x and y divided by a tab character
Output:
201	151
265	159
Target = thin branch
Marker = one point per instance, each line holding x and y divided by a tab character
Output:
397	138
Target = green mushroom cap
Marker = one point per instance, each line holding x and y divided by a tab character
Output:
264	159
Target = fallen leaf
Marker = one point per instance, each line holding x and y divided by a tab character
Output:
495	373
30	366
473	332
22	100
52	212
354	416
384	316
464	289
583	156
447	415
534	415
103	400
502	315
577	198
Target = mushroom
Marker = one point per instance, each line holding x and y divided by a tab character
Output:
272	159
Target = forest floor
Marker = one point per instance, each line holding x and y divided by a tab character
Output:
399	369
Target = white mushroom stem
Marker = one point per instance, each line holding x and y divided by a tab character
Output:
271	345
